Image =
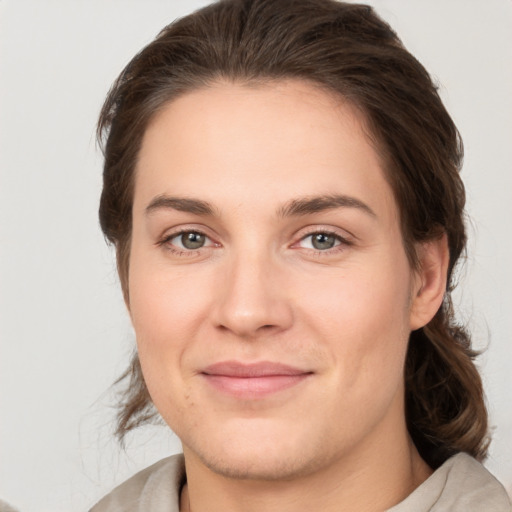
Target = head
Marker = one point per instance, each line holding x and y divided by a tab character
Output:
315	52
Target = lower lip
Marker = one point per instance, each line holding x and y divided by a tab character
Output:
250	388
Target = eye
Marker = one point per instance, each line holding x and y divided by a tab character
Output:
320	241
189	240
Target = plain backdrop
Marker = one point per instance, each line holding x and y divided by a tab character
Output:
64	333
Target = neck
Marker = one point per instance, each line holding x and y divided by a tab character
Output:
350	483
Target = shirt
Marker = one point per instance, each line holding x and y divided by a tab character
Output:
461	484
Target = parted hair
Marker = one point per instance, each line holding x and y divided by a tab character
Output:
347	49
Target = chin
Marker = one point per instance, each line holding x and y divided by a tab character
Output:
259	452
256	466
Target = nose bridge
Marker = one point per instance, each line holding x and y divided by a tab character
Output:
252	298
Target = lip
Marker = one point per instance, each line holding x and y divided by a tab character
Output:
252	381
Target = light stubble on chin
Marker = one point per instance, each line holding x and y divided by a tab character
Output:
266	467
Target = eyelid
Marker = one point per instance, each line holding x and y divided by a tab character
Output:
344	238
342	234
337	240
179	234
171	233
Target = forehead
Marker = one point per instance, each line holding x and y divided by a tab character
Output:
259	144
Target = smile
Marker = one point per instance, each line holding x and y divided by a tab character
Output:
252	381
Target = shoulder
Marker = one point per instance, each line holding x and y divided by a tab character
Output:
469	486
461	484
155	488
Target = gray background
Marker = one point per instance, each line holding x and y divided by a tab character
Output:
63	331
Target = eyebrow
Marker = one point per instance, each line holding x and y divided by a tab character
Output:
296	207
182	204
316	204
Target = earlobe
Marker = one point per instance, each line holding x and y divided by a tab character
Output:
430	282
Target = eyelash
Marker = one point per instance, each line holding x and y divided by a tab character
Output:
342	244
165	243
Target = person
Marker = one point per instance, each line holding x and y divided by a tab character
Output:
281	185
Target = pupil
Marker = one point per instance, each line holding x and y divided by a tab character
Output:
323	241
192	240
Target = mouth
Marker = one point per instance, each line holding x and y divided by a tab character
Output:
252	381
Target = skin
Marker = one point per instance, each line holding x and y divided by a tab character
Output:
258	290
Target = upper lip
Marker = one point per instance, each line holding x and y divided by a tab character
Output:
248	370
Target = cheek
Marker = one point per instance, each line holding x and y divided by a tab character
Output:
165	306
363	313
167	311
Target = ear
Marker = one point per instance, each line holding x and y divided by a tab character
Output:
430	281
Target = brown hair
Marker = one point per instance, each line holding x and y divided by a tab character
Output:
348	49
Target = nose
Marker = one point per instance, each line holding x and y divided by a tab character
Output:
253	298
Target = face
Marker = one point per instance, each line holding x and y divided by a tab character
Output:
269	288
